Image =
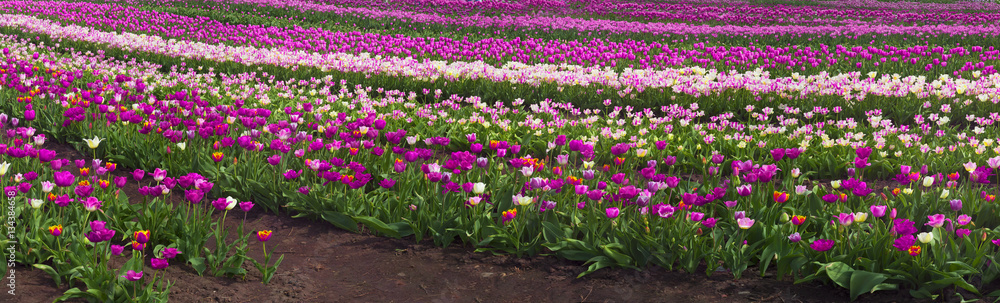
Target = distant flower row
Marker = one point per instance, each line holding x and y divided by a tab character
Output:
690	81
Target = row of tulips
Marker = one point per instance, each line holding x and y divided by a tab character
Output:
804	126
565	27
971	61
641	88
676	11
674	202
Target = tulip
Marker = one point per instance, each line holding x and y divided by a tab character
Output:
157	263
138	174
170	253
798	220
962	232
970	166
925	237
64	178
928	181
956	205
246	206
963	220
795	237
91	204
745	223
860	217
846	219
387	183
611	212
263	235
780	197
93	143
994	162
739	214
132	275
117	249
475	200
56	230
822	245
744	190
141	236
37	203
935	220
508	215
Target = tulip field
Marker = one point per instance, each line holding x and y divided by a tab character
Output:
848	143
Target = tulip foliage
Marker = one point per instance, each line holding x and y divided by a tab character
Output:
854	174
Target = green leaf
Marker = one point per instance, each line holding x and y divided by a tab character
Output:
403	228
864	282
596	263
378	225
922	293
51	271
551	231
577	255
840	273
340	220
620	258
75	292
198	264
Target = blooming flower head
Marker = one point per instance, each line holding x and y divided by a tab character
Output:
132	275
138	246
509	215
970	166
93	143
935	220
744	190
914	250
963	220
218	156
117	249
962	232
91	204
798	220
36	203
141	236
928	181
845	219
158	263
780	197
611	212
745	223
925	237
696	216
523	200
878	211
709	223
473	201
822	245
795	237
170	253
956	204
263	235
860	217
56	230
